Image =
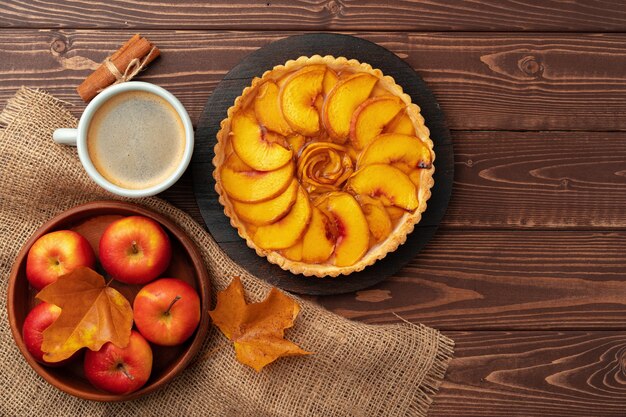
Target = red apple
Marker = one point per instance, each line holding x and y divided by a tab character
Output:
55	254
167	311
120	370
38	320
135	250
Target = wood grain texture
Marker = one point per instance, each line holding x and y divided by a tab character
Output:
502	280
491	81
527	273
538	180
535	374
468	15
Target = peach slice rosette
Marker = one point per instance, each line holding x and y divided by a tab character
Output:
324	165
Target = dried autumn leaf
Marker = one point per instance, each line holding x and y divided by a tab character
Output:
92	314
257	330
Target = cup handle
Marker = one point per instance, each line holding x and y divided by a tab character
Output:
65	136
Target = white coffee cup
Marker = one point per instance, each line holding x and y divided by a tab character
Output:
78	137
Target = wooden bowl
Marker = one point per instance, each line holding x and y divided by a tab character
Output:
90	220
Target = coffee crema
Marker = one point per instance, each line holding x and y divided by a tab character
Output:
136	140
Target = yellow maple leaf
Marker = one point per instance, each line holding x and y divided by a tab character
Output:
92	314
258	329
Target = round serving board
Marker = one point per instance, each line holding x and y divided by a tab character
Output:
277	53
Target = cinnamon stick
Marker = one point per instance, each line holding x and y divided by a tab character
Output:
133	56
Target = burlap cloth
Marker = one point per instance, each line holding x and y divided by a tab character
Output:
357	369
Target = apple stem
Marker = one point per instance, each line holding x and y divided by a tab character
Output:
134	246
167	312
122	368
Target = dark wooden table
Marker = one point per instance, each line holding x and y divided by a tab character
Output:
528	270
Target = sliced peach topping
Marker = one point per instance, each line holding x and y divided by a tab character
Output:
401	124
330	79
370	118
351	228
416	177
380	91
243	183
329	82
386	183
257	147
288	230
395	213
268	111
342	101
297	99
296	142
402	151
318	242
377	217
269	211
293	252
319	104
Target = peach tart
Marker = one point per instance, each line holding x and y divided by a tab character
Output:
324	165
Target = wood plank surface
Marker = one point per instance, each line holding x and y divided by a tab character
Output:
468	15
502	280
535	374
483	81
527	272
538	180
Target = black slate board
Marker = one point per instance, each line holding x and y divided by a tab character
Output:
231	87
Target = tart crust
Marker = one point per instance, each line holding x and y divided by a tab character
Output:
405	224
